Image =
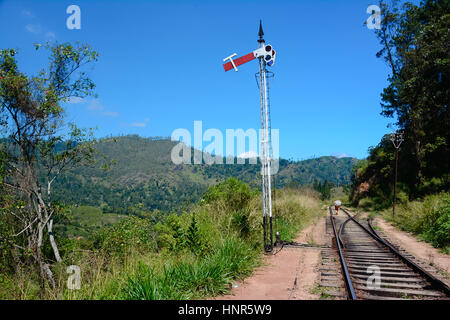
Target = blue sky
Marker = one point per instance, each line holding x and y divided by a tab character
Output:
160	67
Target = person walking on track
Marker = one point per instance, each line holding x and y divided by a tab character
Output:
337	204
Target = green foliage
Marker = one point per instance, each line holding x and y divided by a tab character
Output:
323	188
130	233
233	193
37	100
210	275
295	209
417	52
197	232
36	145
437	225
414	41
6	232
146	285
143	173
231	205
171	233
193	255
240	221
193	237
430	219
83	221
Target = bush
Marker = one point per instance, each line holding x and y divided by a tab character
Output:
192	255
171	233
194	240
430	219
437	224
129	233
240	221
234	194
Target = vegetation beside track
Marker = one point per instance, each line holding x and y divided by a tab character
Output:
191	255
427	218
419	31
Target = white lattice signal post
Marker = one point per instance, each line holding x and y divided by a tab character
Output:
266	56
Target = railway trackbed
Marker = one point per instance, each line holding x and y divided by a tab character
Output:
374	269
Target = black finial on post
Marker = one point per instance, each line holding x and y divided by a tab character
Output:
261	32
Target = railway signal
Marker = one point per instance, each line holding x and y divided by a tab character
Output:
266	52
397	139
266	56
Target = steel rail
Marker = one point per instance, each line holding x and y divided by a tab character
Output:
432	279
348	280
341	228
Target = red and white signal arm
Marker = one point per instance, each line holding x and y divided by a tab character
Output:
267	52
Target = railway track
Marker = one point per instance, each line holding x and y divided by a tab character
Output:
374	269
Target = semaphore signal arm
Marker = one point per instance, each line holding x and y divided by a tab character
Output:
266	52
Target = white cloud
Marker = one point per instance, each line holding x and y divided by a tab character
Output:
50	35
248	154
76	100
340	155
33	28
110	114
95	105
27	13
36	28
141	124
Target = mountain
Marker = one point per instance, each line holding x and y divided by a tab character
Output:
144	176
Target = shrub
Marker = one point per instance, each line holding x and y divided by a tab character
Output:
194	240
437	224
234	194
240	221
129	233
430	219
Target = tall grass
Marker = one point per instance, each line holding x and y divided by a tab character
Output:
429	219
294	210
179	273
192	255
208	276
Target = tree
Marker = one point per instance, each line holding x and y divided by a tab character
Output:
36	140
323	188
193	238
414	43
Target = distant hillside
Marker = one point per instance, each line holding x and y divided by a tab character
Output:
145	176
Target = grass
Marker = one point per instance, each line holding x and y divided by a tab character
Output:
199	278
429	219
373	215
167	276
322	291
295	209
19	287
375	227
86	219
139	260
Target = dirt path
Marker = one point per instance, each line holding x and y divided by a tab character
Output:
289	275
421	250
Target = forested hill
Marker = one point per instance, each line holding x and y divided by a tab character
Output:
143	175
